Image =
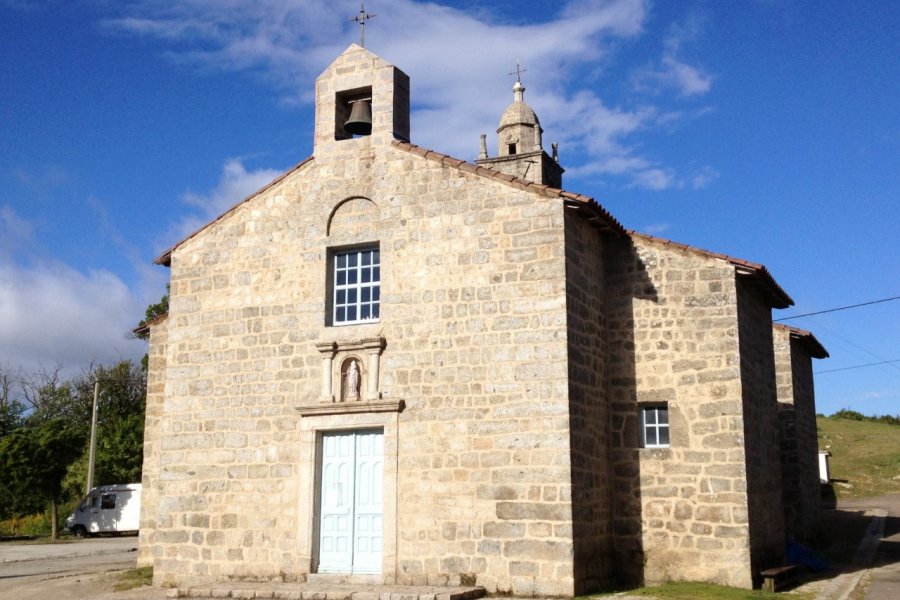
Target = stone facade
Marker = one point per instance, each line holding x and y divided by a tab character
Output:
794	351
156	389
521	330
677	336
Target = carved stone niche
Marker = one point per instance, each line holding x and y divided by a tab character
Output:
350	369
350	379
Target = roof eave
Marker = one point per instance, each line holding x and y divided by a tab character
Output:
165	259
777	296
145	328
807	339
585	205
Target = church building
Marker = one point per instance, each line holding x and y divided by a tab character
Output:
393	366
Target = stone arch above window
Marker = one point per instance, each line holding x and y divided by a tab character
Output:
352	218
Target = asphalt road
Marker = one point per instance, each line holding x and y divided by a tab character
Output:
882	582
63	571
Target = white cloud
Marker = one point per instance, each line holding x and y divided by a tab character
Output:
672	71
459	63
235	184
704	177
656	228
655	179
51	313
14	230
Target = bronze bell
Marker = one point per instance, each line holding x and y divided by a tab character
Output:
360	121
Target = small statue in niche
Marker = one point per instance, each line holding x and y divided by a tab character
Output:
353	381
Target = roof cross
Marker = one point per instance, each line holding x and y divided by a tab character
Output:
518	72
361	18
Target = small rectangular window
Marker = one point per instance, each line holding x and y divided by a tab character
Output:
356	286
107	501
655	426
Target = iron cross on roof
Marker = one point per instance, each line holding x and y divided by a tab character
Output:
518	72
361	18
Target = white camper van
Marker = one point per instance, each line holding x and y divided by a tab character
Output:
107	509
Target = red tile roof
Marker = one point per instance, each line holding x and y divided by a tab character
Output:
585	205
768	285
809	341
145	328
165	259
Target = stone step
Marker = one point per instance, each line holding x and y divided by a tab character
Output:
322	591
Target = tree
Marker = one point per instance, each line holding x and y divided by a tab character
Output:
35	459
120	435
11	409
49	397
154	311
51	427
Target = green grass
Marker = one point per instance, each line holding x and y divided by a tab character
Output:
133	578
865	456
32	525
707	591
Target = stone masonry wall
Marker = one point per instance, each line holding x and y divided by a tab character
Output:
588	402
807	440
680	512
760	429
798	434
156	382
787	431
474	315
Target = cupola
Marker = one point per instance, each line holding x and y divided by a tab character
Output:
520	149
519	131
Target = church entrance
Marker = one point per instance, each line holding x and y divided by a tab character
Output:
351	508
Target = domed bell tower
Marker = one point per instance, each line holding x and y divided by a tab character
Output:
520	151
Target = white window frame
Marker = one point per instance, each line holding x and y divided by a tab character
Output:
652	426
351	283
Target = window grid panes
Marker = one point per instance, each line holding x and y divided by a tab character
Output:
357	285
655	426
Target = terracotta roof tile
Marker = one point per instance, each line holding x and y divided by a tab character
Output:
145	328
777	295
165	258
809	341
598	215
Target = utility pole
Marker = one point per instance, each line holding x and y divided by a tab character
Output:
93	448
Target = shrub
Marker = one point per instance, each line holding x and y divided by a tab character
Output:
32	525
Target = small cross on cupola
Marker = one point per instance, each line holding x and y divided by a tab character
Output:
518	72
521	150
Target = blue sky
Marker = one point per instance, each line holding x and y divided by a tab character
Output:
764	129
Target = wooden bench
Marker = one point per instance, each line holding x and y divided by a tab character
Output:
778	578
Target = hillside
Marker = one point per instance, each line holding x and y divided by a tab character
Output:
865	456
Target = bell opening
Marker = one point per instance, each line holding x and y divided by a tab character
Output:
353	113
360	120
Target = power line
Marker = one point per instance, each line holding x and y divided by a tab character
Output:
837	336
822	312
884	362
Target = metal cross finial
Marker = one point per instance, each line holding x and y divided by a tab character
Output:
518	72
361	18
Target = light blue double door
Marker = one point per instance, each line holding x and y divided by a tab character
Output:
351	512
